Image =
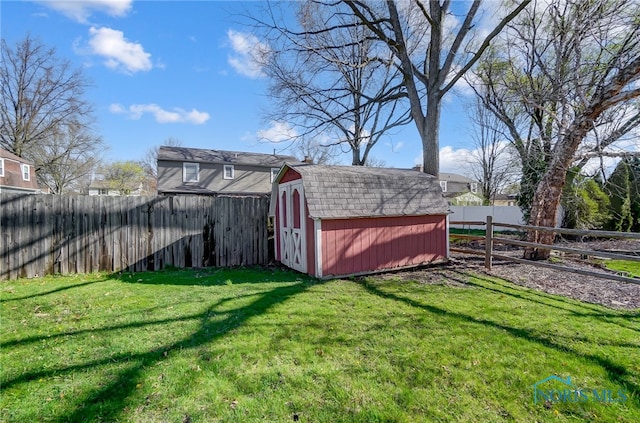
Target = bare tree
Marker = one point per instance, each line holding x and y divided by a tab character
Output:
492	161
565	68
330	80
315	152
150	160
375	162
150	165
41	95
66	159
433	50
44	117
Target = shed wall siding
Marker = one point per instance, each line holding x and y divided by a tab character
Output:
311	242
290	175
352	246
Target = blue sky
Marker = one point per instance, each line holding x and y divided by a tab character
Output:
180	69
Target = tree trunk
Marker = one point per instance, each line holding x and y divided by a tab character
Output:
548	195
355	157
544	209
430	134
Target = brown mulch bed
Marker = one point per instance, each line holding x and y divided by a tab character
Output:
591	289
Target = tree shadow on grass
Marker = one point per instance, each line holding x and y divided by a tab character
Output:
53	291
616	373
212	276
106	402
106	329
506	287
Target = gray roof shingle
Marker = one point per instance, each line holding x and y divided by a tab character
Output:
220	156
335	192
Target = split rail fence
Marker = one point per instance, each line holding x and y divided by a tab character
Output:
490	239
53	234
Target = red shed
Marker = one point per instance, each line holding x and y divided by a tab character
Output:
335	221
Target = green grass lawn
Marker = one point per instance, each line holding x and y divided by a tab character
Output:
631	268
254	345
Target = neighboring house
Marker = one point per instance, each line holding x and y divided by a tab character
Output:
102	187
460	190
505	200
215	172
333	221
17	175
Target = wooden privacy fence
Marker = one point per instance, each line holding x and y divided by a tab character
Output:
47	234
490	239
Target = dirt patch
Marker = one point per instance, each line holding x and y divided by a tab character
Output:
591	289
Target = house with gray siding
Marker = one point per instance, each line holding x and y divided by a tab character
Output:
184	170
459	190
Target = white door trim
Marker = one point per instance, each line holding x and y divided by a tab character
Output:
293	241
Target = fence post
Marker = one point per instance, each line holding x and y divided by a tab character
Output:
488	246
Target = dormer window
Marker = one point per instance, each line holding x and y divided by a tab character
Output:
228	172
26	172
443	185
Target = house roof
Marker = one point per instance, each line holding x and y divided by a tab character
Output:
505	196
200	155
454	177
335	192
8	155
454	194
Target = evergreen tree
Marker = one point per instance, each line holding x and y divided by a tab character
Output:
618	188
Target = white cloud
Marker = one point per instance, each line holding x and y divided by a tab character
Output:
176	115
247	52
117	108
395	146
81	10
119	53
453	161
277	132
594	165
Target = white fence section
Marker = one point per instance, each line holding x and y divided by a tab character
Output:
503	214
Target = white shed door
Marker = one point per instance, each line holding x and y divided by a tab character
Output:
292	231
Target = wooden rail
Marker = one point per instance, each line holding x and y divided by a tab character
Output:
490	254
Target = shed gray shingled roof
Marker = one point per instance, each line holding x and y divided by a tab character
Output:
201	155
335	192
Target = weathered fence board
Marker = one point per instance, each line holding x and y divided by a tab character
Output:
45	234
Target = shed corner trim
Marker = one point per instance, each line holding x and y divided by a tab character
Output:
317	228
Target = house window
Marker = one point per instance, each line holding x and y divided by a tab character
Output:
1	167
190	172
474	187
103	191
274	173
443	185
228	172
26	172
